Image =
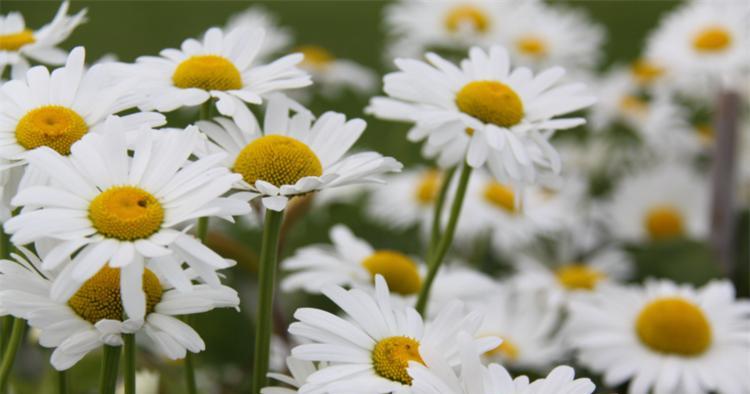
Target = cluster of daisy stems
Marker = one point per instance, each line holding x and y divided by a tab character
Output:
106	206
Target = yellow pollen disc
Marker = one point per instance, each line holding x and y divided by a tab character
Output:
578	277
706	133
673	325
712	39
126	213
646	72
398	270
633	105
501	196
391	357
53	126
491	102
469	131
466	15
315	56
506	349
428	187
207	72
278	160
532	46
99	298
14	41
664	222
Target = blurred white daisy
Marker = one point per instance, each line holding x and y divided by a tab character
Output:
294	154
95	315
420	25
57	109
19	44
666	201
147	382
109	209
277	38
350	262
664	337
299	371
435	376
372	348
332	75
704	43
539	35
221	67
527	324
483	112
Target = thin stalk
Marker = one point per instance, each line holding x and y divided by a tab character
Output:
7	320
129	373
436	258
438	212
266	282
19	326
110	366
63	382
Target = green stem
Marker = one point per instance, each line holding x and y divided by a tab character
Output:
201	230
438	212
6	329
129	373
266	278
436	258
19	326
110	364
205	113
190	374
63	382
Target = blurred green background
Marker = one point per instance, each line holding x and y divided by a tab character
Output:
350	29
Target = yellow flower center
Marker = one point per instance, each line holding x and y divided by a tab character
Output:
399	271
207	72
578	276
391	356
633	105
99	298
467	15
712	39
278	160
507	349
673	325
14	41
316	57
428	187
54	126
126	213
706	132
501	196
664	222
491	102
646	72
532	46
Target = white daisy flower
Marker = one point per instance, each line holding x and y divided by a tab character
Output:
146	381
704	43
540	36
222	68
527	324
294	154
437	377
420	25
408	199
483	112
95	315
665	338
277	37
109	209
299	371
57	109
18	44
350	262
332	75
372	349
664	202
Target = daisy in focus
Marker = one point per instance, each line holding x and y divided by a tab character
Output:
332	75
222	67
375	345
665	337
107	208
277	38
19	44
668	201
95	315
483	112
294	154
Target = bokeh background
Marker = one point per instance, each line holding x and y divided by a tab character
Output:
351	30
